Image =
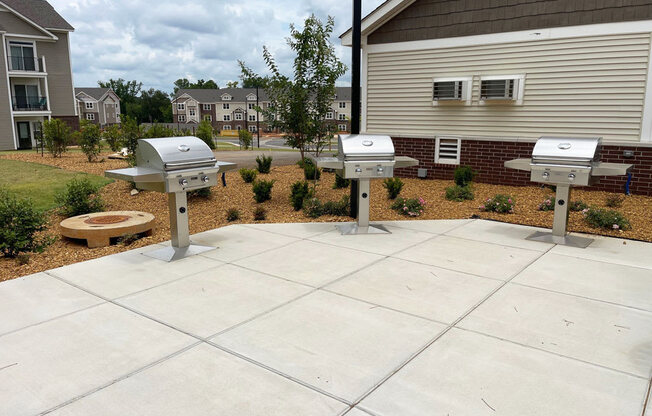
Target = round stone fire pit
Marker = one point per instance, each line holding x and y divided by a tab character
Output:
98	228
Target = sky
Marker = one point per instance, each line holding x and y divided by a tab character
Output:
159	41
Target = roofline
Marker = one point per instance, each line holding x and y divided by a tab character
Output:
379	16
89	96
60	30
41	28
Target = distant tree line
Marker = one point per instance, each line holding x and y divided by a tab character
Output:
144	106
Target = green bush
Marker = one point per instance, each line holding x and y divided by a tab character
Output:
248	175
311	172
393	186
205	133
340	182
232	214
90	140
412	207
20	226
548	204
264	163
131	132
298	193
80	197
606	219
312	207
263	190
464	175
245	138
500	203
56	136
156	131
260	214
113	137
200	193
340	208
577	206
459	193
614	201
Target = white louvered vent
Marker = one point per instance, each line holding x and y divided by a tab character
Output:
447	150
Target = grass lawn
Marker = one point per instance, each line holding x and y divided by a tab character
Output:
40	183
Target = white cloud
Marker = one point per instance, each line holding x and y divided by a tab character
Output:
159	42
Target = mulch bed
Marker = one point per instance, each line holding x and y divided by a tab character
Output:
210	213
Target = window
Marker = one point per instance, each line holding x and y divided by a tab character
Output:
341	117
192	112
451	89
502	88
251	106
447	150
226	106
226	127
342	105
252	117
181	106
207	107
90	105
117	108
22	56
341	127
238	116
208	117
227	117
329	115
226	97
182	118
90	116
238	127
252	128
251	97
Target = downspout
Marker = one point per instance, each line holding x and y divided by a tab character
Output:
355	91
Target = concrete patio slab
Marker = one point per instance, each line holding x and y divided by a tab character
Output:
38	298
612	250
205	381
474	257
357	412
306	263
426	291
48	364
214	300
428	226
129	272
500	233
470	374
601	333
338	345
615	283
298	230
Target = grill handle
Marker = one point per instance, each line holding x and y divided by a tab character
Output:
191	164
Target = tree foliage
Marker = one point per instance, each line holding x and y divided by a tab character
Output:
90	140
113	137
127	91
232	84
186	84
205	132
56	136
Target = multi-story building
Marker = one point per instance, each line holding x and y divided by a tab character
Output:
235	108
98	105
35	71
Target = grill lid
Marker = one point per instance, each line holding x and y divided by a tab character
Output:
365	146
174	153
566	150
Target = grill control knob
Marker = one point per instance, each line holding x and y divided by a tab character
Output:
205	179
380	170
358	170
183	182
545	175
571	176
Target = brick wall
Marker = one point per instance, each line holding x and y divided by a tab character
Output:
488	157
73	121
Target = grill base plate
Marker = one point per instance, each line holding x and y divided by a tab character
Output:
176	253
568	240
354	228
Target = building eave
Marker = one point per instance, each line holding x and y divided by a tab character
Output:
377	18
31	22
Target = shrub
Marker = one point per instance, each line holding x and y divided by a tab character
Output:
393	186
312	207
298	193
80	197
264	163
606	218
499	203
232	214
340	182
260	214
614	201
577	206
263	190
412	207
131	132
340	208
56	136
113	137
90	140
245	138
200	193
548	204
464	175
205	132
459	193
248	175
20	225
157	130
311	172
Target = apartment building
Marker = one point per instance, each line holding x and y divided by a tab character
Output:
235	108
35	71
98	105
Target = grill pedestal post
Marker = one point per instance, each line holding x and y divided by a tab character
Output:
362	226
560	223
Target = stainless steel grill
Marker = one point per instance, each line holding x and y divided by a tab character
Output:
175	166
566	162
363	157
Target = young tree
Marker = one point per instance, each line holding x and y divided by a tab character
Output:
113	137
299	103
56	136
205	132
90	140
245	138
131	132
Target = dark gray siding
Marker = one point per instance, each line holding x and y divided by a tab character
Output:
434	19
57	61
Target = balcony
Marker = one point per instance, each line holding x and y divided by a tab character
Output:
29	103
26	64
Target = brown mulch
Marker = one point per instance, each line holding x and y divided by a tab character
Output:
210	213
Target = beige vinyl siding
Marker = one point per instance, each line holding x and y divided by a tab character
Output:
581	86
57	62
13	24
6	129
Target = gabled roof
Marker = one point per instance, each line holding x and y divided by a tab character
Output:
240	94
377	18
39	12
93	92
